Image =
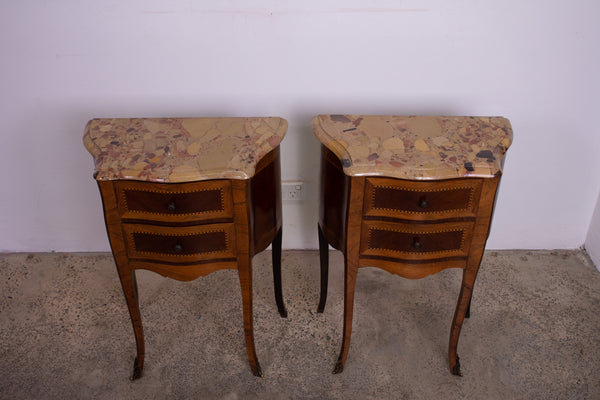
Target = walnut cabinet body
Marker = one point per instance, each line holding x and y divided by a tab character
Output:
406	227
187	230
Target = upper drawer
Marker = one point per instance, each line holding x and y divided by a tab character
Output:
175	202
421	200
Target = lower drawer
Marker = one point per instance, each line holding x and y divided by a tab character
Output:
180	244
415	242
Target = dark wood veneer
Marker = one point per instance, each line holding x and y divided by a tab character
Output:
422	200
334	199
174	203
415	243
209	242
265	190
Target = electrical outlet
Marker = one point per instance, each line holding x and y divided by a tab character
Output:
292	191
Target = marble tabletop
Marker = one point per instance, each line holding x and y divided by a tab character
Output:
181	149
416	147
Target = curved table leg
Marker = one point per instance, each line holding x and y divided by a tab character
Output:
464	299
245	276
350	272
130	290
324	262
276	258
468	313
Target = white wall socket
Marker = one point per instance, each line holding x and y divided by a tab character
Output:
292	191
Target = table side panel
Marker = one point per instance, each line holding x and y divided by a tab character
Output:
113	225
265	193
334	192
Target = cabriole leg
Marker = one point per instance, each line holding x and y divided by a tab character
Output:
350	272
245	275
468	313
130	290
276	258
324	262
459	315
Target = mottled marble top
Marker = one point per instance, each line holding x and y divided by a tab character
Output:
416	147
180	149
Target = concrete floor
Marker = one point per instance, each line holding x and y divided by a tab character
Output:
534	332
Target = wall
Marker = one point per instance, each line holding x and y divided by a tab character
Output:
592	241
64	62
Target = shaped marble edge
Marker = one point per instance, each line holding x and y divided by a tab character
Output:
180	149
416	147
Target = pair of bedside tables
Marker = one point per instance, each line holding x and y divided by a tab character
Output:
185	197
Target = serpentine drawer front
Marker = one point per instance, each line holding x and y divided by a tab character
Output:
197	201
409	242
411	195
184	197
421	200
180	244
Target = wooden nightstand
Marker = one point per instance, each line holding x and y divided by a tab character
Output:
410	195
185	197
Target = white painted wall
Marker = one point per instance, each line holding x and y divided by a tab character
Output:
66	61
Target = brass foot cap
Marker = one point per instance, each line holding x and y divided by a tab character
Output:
456	368
137	370
256	371
339	367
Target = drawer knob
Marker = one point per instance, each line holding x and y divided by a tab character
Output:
423	203
177	248
171	206
417	243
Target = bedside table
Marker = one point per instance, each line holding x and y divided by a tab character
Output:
411	195
185	197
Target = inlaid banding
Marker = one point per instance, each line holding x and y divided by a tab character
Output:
180	245
393	198
198	202
404	242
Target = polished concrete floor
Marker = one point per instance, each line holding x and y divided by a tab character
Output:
534	332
